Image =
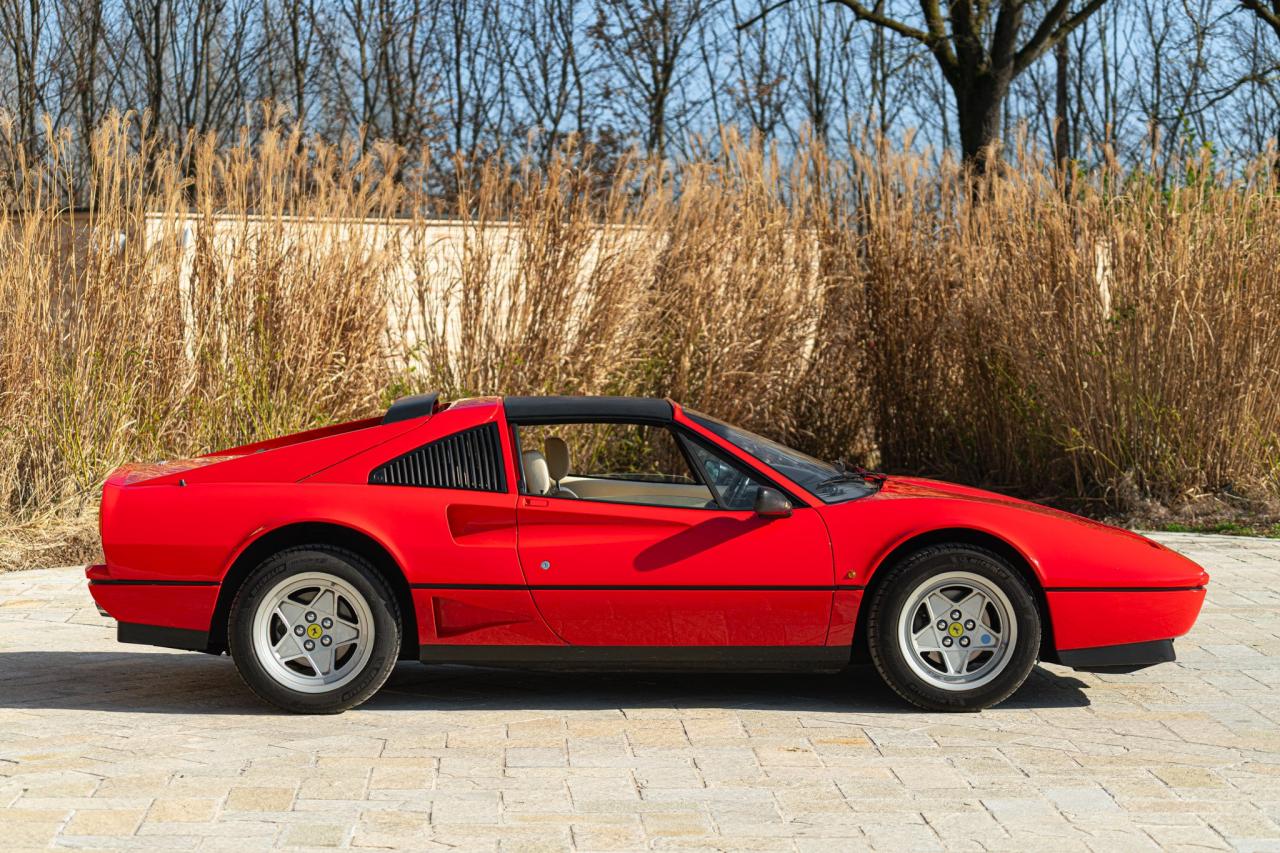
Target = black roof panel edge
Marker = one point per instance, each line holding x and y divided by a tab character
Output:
589	408
411	407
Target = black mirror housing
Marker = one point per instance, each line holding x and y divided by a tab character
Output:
770	503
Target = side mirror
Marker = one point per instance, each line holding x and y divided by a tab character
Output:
771	504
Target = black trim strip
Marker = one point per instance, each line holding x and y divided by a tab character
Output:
552	409
669	658
187	639
467	586
133	582
1123	588
636	587
1126	657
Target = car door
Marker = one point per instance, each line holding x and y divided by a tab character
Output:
611	569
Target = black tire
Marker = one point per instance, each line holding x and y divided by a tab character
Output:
355	571
891	597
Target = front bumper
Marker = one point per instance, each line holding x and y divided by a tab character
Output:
1126	657
1091	618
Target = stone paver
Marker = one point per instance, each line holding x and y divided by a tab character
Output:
109	746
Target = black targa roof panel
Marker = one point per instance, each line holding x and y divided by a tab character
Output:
587	408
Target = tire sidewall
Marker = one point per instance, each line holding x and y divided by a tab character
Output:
891	597
341	564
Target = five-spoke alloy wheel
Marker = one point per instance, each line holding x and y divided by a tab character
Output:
314	630
953	627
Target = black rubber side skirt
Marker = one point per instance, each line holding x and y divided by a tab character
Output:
1128	657
649	658
157	635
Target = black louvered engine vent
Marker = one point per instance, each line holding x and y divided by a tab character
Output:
471	459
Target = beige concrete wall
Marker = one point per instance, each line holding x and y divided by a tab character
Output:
433	272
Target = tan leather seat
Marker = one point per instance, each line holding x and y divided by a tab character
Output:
557	458
536	479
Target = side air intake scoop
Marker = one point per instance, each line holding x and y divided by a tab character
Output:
411	407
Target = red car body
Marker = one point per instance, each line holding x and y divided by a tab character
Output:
503	577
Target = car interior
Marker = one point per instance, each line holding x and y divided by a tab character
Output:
627	463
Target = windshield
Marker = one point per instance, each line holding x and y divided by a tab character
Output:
828	481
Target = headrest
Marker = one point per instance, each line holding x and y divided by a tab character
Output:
557	457
536	479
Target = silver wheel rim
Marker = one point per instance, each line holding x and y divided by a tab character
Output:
313	632
957	631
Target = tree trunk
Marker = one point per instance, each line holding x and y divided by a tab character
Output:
979	104
1061	129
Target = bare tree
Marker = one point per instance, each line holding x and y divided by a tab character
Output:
1263	72
408	59
542	45
24	39
1267	11
979	49
646	44
291	49
210	51
88	75
476	101
1053	101
762	82
149	23
1142	77
361	95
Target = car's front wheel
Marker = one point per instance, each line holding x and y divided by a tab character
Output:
953	628
314	630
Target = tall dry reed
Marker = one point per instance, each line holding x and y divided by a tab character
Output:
183	309
1123	338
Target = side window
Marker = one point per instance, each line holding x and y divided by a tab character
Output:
471	459
734	487
614	462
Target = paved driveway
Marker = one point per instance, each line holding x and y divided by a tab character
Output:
104	745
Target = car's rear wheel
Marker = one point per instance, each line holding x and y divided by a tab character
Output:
953	628
314	630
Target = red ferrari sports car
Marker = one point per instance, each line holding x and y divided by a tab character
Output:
612	532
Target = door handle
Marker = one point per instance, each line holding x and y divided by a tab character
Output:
535	502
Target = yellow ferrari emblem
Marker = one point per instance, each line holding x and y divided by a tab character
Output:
314	632
955	629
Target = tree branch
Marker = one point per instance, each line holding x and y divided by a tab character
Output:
764	13
862	13
1269	16
1052	29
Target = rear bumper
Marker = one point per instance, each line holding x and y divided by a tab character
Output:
1126	657
169	613
158	635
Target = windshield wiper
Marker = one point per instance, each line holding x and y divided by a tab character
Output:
842	477
853	472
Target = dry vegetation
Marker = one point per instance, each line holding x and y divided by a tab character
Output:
1120	345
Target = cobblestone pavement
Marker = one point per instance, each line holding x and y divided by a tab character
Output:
109	746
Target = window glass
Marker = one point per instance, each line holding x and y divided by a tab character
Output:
823	479
735	488
616	462
617	451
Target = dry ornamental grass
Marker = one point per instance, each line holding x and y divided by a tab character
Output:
1116	345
